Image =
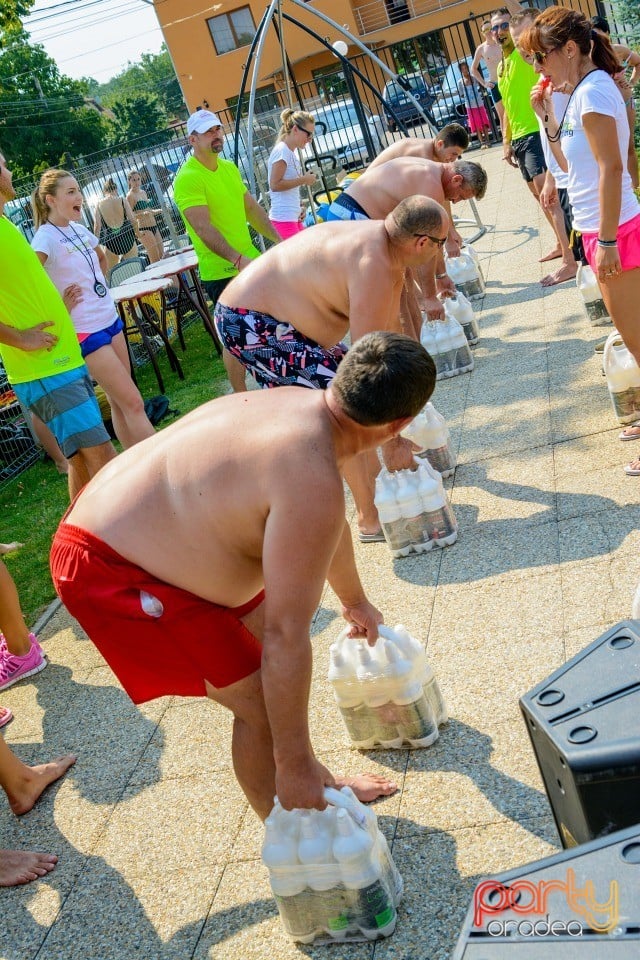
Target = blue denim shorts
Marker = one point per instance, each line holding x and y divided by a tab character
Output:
67	404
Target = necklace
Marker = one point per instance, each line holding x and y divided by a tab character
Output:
556	136
98	287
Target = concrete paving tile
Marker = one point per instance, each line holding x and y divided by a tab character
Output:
590	452
469	778
197	825
613	532
500	549
598	593
596	491
575	641
157	917
491	431
244	922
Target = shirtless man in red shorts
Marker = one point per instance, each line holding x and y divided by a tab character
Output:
196	560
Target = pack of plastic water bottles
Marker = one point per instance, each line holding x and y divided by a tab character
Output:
331	871
387	693
466	273
414	510
429	432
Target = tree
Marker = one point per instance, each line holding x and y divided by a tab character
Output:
43	114
153	75
137	116
12	12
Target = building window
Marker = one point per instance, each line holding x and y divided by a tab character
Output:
232	30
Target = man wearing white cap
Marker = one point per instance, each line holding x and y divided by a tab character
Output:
216	207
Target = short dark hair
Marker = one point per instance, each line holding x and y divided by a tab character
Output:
384	377
600	23
454	135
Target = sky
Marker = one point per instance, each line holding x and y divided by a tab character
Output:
94	38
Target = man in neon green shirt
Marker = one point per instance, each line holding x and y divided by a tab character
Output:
41	354
216	207
522	144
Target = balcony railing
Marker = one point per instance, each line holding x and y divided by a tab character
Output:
380	14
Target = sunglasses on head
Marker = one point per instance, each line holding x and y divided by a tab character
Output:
435	240
302	130
501	26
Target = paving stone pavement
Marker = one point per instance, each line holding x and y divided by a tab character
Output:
159	854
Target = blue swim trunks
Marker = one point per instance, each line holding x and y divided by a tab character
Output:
67	404
345	207
274	353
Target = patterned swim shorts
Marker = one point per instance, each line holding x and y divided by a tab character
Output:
274	353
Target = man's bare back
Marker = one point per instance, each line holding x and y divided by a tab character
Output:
191	505
315	280
406	147
382	188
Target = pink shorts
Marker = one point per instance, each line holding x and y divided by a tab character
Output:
628	237
157	638
478	119
287	228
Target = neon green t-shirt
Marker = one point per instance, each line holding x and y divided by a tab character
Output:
516	77
222	192
28	297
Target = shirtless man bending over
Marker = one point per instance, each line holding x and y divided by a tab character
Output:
219	597
285	315
449	145
380	189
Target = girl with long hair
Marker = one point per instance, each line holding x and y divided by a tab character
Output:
75	261
285	173
145	214
590	141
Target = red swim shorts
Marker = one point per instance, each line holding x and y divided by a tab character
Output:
157	638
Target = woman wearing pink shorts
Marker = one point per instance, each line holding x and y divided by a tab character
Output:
285	172
590	141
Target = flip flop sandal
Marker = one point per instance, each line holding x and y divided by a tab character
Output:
371	537
6	716
632	426
632	471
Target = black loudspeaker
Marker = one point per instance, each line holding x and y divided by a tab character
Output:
581	904
584	725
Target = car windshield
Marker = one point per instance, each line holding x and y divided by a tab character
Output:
337	117
395	90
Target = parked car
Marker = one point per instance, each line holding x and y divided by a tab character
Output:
395	96
450	107
338	133
20	213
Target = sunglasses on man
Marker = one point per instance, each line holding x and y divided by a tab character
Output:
501	26
439	242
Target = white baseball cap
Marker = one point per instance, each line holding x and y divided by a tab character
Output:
201	121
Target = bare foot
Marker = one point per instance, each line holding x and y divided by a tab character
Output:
552	255
36	781
10	547
22	866
368	786
566	272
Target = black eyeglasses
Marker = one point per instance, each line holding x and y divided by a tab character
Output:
302	130
435	240
501	26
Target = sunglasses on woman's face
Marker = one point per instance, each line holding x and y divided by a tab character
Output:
302	130
541	57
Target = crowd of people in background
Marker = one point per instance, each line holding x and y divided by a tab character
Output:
563	95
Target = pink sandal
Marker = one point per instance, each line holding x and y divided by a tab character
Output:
6	716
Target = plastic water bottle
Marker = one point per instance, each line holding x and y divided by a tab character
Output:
460	308
589	289
469	250
322	875
437	441
361	872
435	343
635	609
390	514
410	504
438	518
288	885
348	695
390	873
414	716
462	361
465	275
377	696
415	653
623	379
